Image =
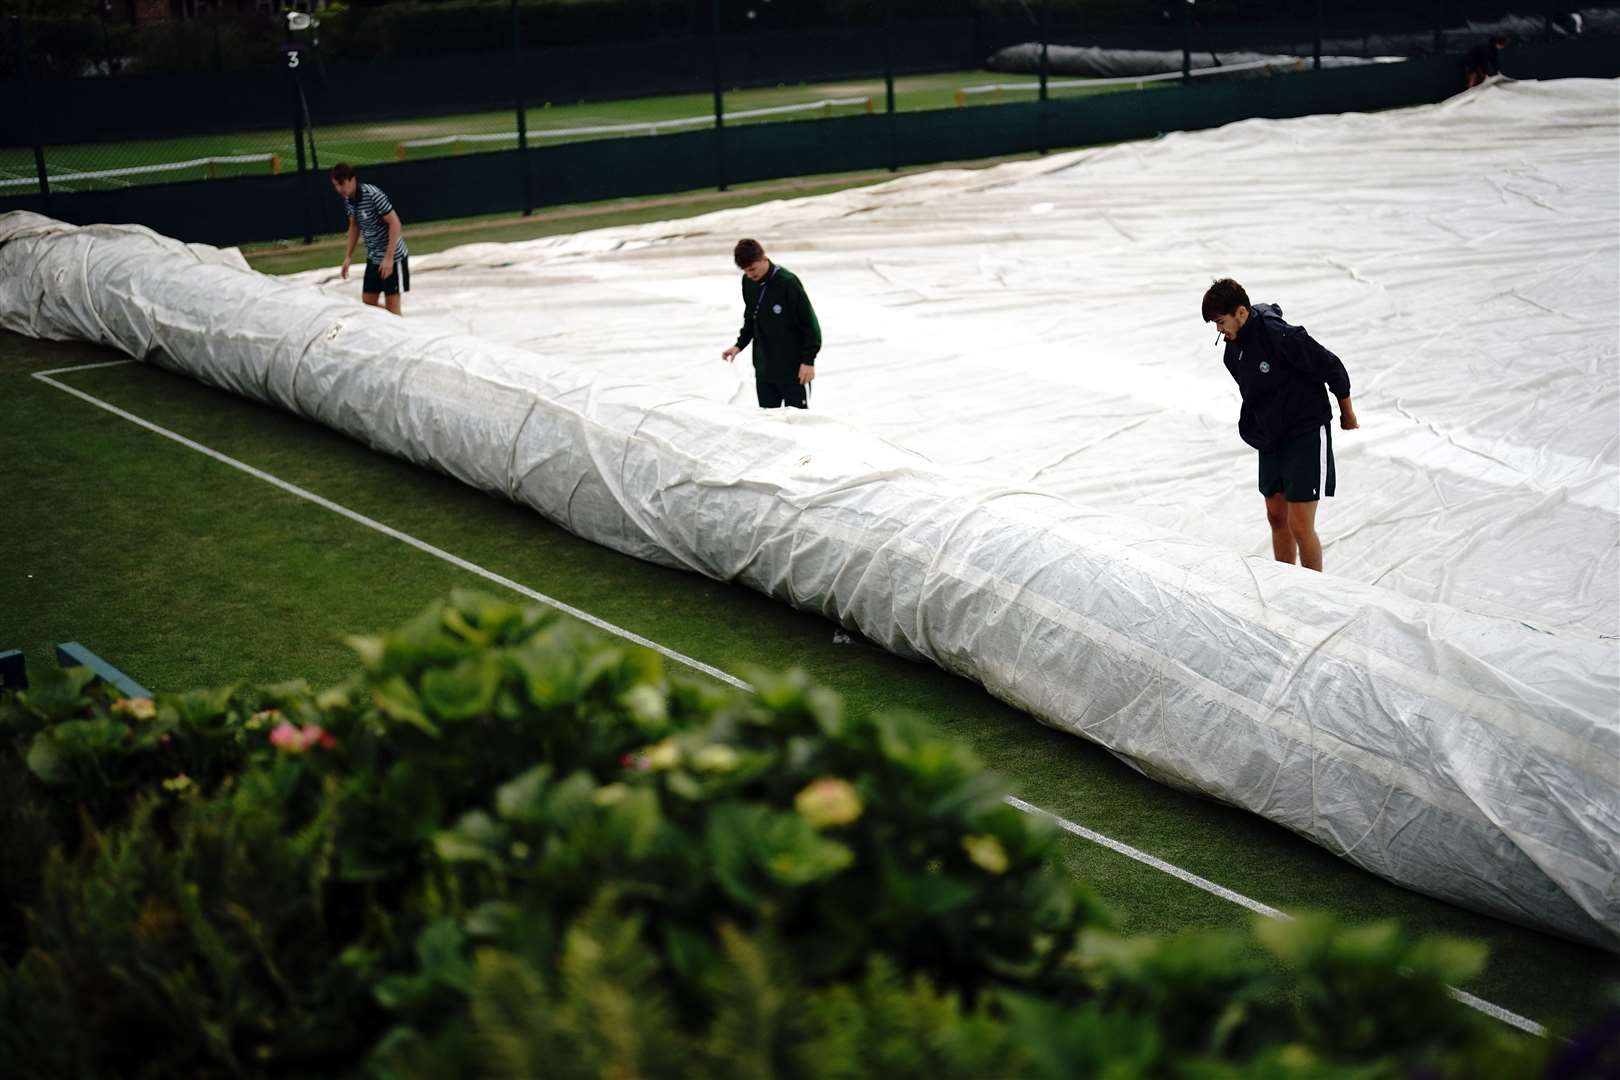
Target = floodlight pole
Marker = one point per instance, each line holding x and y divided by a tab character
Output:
298	141
522	113
719	104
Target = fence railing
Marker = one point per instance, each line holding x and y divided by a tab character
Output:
526	154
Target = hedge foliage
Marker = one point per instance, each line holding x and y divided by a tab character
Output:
509	847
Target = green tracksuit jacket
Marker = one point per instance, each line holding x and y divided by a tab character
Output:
778	319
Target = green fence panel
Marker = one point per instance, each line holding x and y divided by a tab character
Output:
616	168
773	151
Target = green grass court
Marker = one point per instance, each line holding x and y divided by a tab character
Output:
548	123
186	572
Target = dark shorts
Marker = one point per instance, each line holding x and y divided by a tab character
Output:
397	282
1301	467
773	395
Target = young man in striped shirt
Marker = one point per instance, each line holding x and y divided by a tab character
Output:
372	216
1281	371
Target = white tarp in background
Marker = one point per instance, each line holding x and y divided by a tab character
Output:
1022	460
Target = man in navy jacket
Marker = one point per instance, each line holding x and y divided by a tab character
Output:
1287	416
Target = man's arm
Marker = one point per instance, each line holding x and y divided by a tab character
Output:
1305	353
348	251
391	218
1302	352
746	334
810	343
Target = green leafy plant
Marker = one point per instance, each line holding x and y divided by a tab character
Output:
507	846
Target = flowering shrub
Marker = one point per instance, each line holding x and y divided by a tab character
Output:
508	846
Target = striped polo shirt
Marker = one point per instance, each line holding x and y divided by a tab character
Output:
369	208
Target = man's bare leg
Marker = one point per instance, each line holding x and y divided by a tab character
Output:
371	298
1302	526
1283	548
391	300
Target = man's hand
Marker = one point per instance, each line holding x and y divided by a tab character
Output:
1347	415
386	270
727	354
806	373
344	273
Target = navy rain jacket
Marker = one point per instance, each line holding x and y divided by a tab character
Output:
1280	371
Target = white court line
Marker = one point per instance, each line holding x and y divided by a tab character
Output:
361	519
1496	1012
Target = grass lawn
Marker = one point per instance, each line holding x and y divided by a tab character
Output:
185	572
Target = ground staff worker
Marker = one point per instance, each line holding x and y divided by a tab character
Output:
372	216
778	319
1280	371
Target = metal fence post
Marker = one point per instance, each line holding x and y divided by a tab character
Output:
522	113
1040	109
1186	45
719	105
1316	49
26	73
1046	37
888	82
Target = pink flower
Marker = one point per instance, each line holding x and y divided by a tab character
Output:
286	737
293	741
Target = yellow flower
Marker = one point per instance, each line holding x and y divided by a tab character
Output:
609	794
828	802
139	708
716	757
178	784
986	852
261	718
663	755
647	706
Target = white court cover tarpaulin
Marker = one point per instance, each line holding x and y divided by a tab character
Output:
1022	460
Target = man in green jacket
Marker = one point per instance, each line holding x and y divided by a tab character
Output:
778	319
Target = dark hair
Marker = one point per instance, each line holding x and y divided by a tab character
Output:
747	253
344	171
1224	297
